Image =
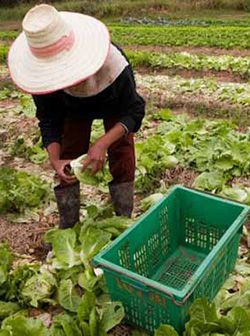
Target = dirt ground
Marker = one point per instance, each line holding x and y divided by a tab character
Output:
221	76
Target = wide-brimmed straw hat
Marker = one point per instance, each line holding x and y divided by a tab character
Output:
57	50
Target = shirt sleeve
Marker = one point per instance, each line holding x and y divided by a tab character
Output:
132	105
51	117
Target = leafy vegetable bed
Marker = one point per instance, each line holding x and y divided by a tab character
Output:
184	60
215	36
213	148
20	190
64	293
180	91
222	37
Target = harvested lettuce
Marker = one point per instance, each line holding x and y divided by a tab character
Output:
85	176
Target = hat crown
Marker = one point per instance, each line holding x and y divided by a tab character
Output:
43	26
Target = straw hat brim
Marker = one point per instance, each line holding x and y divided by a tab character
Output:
44	75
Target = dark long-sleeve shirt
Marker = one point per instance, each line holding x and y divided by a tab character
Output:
119	100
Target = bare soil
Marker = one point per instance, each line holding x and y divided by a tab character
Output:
27	238
199	105
179	175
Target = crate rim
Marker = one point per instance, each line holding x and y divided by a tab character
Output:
182	295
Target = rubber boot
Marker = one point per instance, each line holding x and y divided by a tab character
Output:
68	203
122	196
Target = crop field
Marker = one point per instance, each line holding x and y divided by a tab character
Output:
195	77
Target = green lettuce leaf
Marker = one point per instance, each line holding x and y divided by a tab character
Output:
17	280
211	181
235	193
88	301
236	321
39	288
147	202
112	225
65	325
20	190
92	241
203	318
93	322
85	177
88	280
8	308
23	326
5	261
165	330
111	314
64	248
68	297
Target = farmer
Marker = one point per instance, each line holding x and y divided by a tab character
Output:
75	75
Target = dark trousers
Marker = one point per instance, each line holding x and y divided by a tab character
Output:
121	154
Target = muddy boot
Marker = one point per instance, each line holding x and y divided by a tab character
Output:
122	196
68	203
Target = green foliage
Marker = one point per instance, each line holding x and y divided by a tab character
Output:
147	202
221	37
68	297
30	149
204	320
64	247
211	181
165	330
3	53
237	193
16	281
85	176
213	148
60	281
5	262
22	326
20	190
98	316
65	325
8	308
39	288
209	91
154	156
185	60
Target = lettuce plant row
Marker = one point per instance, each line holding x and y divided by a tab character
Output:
210	89
188	61
215	36
220	37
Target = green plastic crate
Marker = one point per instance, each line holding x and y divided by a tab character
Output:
181	249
